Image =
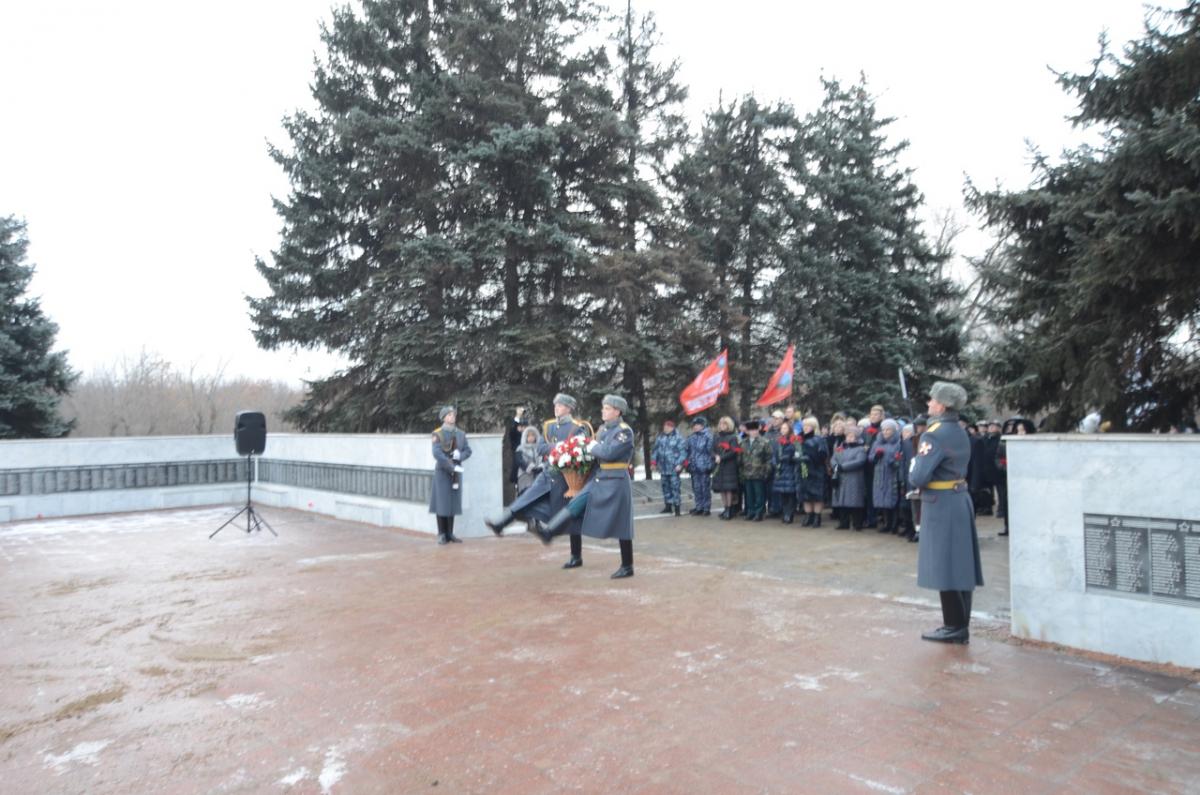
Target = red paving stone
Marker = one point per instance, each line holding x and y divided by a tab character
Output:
141	657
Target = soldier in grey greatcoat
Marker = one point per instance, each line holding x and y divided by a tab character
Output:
450	450
948	555
546	497
606	503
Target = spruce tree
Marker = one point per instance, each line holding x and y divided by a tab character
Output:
643	285
33	379
863	293
734	200
429	233
1100	287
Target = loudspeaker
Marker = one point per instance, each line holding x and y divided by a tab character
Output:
250	432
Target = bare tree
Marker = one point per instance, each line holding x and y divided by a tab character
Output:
147	396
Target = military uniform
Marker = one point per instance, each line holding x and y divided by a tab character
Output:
948	557
605	504
700	463
445	501
545	497
670	451
755	468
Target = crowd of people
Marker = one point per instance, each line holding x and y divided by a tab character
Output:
790	468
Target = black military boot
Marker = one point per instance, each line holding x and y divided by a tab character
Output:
626	569
546	532
667	508
497	523
576	559
677	509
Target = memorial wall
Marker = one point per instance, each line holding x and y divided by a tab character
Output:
381	479
1104	553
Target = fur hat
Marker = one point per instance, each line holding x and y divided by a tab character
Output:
444	410
952	396
566	400
751	425
617	402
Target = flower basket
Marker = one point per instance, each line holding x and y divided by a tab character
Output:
575	480
572	459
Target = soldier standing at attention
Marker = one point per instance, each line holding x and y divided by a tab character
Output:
948	555
546	496
668	456
606	503
450	449
700	463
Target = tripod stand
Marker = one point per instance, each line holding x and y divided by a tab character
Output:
254	520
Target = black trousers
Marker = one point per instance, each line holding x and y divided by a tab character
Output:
577	546
956	608
445	526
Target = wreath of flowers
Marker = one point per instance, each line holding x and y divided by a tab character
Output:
571	455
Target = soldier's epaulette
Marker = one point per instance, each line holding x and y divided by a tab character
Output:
626	427
933	427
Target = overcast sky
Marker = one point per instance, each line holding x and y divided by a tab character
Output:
133	134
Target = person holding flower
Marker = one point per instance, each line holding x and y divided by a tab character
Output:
547	495
605	505
784	461
727	446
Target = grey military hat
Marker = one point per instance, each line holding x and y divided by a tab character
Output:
617	402
566	400
952	396
444	410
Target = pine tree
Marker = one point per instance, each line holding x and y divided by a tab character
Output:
643	285
734	202
863	294
429	233
32	378
1100	289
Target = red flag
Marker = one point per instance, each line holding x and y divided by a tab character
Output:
780	386
708	387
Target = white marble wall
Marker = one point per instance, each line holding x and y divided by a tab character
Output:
482	481
1053	480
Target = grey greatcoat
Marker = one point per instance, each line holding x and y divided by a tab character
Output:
886	491
444	500
948	557
851	462
609	511
546	496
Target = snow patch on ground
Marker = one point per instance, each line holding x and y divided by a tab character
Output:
82	754
815	681
332	770
295	777
248	701
337	558
878	786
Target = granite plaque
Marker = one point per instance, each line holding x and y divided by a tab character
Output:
1142	557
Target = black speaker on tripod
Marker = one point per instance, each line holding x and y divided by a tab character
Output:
250	439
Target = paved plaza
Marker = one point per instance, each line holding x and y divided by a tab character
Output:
743	657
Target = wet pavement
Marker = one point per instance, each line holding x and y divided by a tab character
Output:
141	657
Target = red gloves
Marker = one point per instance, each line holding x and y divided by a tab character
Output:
898	456
879	452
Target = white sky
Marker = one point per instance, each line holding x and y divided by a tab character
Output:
133	133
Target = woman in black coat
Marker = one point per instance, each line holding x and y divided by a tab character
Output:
814	452
726	449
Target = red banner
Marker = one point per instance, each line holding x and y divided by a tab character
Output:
708	387
780	386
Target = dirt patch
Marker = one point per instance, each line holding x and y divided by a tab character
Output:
211	576
1165	669
154	670
68	587
210	652
91	702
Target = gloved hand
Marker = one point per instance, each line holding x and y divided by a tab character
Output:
879	452
456	455
458	468
592	445
678	470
